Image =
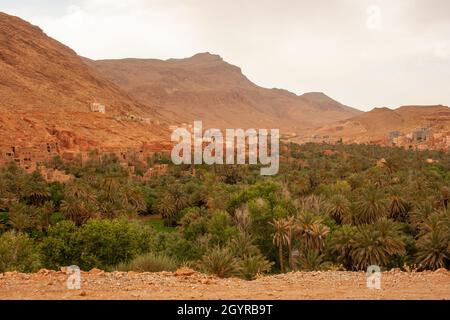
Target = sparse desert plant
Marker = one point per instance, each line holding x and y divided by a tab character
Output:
311	260
149	262
220	262
252	266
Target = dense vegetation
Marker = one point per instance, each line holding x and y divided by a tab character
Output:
330	207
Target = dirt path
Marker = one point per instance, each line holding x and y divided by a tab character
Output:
188	285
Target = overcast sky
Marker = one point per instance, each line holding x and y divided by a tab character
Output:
363	53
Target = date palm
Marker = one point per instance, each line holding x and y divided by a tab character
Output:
312	231
433	250
281	237
375	244
77	210
342	243
22	217
371	207
434	241
338	209
398	208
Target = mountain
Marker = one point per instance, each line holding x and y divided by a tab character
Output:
205	87
46	93
377	124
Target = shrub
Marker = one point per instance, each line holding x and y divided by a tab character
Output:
251	266
61	248
220	262
98	243
150	262
18	253
106	243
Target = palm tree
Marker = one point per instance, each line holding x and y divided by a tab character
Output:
311	231
433	250
338	209
371	207
281	237
434	241
134	199
342	243
445	197
77	210
376	244
291	229
390	236
314	204
367	250
398	206
21	217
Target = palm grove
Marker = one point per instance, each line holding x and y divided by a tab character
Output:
329	208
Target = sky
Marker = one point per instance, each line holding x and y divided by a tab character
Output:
363	53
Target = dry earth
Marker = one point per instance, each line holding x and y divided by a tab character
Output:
186	285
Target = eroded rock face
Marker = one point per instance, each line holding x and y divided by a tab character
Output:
421	127
205	87
46	94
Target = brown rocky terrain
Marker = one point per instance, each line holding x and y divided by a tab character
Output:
376	125
205	87
46	93
187	285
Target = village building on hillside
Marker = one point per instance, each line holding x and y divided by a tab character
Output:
98	107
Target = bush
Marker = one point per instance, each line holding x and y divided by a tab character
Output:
108	242
251	266
220	262
177	247
17	253
61	248
98	243
150	262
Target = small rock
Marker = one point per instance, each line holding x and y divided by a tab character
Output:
44	272
11	274
83	293
96	271
184	272
441	270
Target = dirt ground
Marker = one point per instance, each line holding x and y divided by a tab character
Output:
188	285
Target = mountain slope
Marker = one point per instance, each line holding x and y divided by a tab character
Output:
376	124
46	91
204	87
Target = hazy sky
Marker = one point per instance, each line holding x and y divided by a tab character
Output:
364	53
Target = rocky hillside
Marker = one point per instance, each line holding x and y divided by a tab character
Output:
376	124
205	87
46	92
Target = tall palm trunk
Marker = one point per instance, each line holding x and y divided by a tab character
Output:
280	253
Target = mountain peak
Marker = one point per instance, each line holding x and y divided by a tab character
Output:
206	56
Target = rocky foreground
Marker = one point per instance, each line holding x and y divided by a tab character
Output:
186	284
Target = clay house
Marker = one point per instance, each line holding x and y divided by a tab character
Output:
98	107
